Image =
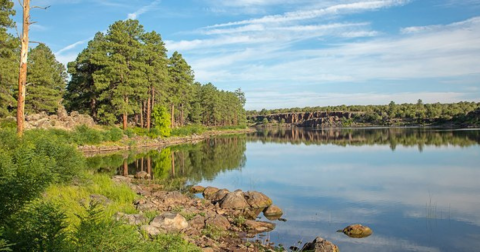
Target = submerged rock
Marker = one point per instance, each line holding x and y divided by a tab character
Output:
209	192
357	231
219	195
197	189
257	199
320	245
272	211
234	200
259	226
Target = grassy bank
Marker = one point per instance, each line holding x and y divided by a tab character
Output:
51	200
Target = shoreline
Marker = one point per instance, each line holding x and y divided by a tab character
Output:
147	143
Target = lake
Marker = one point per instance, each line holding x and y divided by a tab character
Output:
418	189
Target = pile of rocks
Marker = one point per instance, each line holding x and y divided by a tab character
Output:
220	221
59	121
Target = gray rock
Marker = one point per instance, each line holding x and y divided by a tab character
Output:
132	219
320	245
257	199
99	199
142	175
151	230
218	221
259	226
209	192
273	211
234	200
197	222
219	195
197	189
170	222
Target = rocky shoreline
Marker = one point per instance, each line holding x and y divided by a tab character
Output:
134	143
220	221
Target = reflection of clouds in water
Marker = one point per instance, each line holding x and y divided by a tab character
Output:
389	181
375	242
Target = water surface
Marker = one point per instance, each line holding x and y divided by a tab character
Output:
418	189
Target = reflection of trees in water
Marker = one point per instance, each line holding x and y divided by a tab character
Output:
393	137
202	161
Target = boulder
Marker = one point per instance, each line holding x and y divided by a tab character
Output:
171	198
320	245
234	200
197	189
209	192
258	199
99	199
273	211
142	175
151	231
218	221
219	195
132	219
259	226
357	231
197	222
170	222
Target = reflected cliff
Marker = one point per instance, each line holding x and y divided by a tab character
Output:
393	137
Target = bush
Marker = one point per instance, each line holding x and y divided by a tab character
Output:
38	227
189	130
161	120
114	134
30	164
85	135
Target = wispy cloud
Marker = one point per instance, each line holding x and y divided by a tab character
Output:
144	9
71	46
316	13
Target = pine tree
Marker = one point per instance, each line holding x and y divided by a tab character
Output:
46	81
8	59
181	79
82	93
123	77
155	57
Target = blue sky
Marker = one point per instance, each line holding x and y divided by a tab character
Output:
296	53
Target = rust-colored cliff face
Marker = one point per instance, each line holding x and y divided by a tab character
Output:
307	119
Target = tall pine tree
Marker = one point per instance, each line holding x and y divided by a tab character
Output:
46	81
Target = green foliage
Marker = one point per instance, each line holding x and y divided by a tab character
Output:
97	233
85	135
161	121
47	81
30	164
39	226
189	130
126	70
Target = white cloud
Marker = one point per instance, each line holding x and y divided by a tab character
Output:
271	99
142	10
316	13
71	46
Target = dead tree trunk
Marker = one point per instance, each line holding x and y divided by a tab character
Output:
22	79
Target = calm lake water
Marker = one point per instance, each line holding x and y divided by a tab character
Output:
418	189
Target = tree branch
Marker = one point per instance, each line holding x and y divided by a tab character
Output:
39	7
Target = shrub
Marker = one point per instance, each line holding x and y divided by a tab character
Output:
38	227
161	120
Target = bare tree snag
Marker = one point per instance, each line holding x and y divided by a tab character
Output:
22	78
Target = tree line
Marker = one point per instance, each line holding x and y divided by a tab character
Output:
123	76
418	110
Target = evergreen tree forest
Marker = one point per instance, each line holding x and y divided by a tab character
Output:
121	77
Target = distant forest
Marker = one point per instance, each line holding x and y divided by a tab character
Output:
384	114
123	76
